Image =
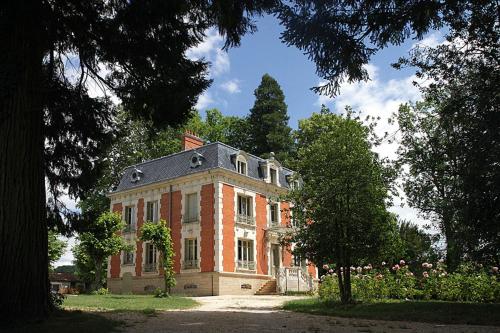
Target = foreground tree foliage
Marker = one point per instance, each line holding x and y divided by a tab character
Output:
341	205
158	234
100	242
51	50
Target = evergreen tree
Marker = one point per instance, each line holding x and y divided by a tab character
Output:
268	121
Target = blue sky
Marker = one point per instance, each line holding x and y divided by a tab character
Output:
238	72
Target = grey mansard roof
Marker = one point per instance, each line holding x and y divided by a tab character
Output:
214	155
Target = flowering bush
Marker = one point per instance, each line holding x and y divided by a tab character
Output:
468	284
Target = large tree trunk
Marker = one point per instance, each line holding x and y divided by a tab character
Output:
24	285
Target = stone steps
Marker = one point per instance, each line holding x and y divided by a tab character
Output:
268	288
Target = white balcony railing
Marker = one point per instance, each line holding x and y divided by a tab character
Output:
245	264
190	264
149	268
245	219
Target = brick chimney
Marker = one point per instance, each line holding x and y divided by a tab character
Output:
191	141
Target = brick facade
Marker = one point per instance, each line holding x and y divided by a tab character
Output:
261	225
207	225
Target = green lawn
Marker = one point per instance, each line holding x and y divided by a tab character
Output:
421	311
144	303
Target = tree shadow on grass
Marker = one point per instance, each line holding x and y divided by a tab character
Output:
74	321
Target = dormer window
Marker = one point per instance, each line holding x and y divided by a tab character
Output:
274	176
242	168
136	175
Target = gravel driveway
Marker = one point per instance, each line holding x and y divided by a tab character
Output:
261	314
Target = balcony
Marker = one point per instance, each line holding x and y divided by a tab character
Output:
247	265
150	268
245	219
190	264
188	219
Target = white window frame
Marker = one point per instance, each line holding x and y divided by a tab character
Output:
276	175
125	256
242	167
152	211
191	253
190	217
245	254
129	218
276	222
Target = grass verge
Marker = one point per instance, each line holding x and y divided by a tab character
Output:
418	311
143	303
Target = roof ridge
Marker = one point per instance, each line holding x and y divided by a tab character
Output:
170	155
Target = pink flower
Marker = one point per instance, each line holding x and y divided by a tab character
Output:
434	271
325	266
425	274
379	276
359	269
402	262
330	271
352	268
429	265
494	269
441	261
395	267
426	265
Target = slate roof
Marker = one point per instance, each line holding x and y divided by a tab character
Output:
215	155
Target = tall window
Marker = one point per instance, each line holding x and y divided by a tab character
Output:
245	254
150	264
129	218
190	253
128	257
242	167
298	261
191	208
274	176
152	211
245	210
244	205
274	213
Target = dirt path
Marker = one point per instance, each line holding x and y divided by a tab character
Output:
262	314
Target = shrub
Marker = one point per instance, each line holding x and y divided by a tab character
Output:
468	284
101	291
160	293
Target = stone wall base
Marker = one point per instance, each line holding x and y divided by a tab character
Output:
191	284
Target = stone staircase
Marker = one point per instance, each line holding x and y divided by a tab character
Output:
268	288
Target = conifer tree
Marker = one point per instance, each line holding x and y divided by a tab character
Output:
268	121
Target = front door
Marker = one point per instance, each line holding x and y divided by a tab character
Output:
275	254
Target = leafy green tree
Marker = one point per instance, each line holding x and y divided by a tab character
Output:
417	245
50	52
98	243
56	247
268	121
159	235
65	269
85	268
341	207
341	36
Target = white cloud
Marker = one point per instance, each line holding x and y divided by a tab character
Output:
379	98
67	257
210	49
431	40
204	101
231	86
